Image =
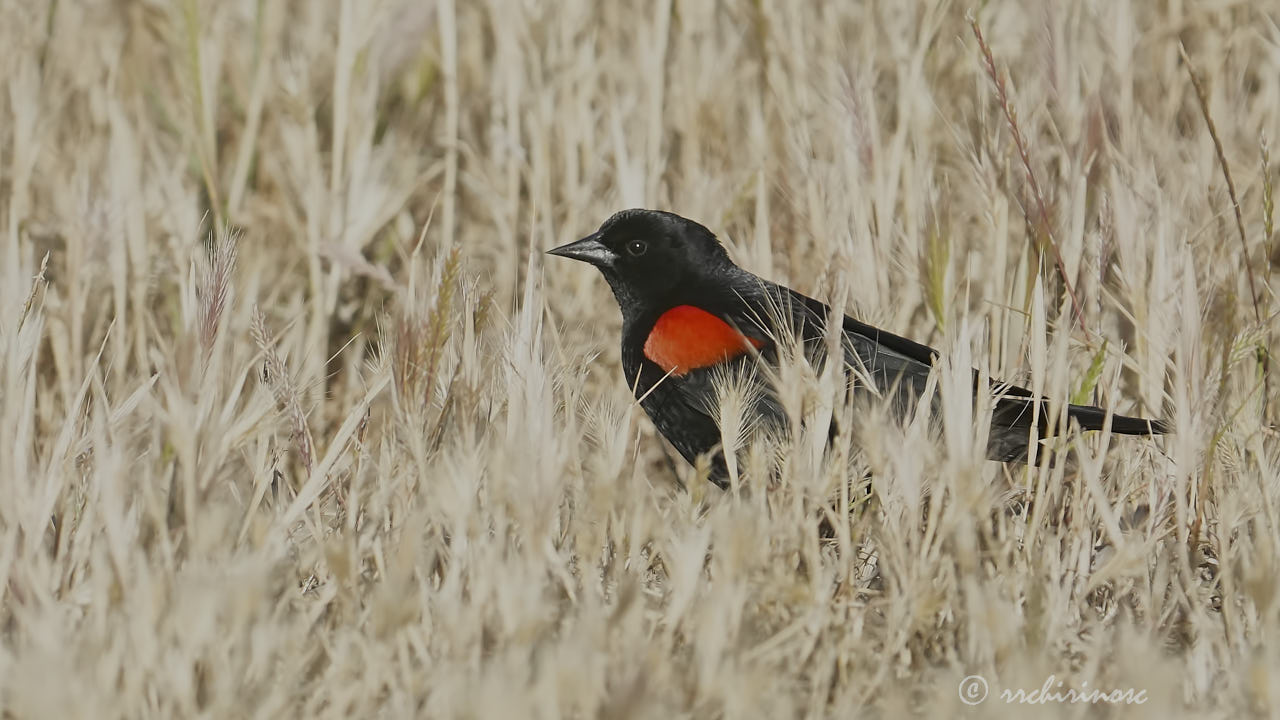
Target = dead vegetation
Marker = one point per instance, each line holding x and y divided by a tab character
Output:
297	422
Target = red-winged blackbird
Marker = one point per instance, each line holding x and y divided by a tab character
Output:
689	313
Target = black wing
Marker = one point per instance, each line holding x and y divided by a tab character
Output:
904	364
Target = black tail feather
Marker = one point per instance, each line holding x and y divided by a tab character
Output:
1016	411
1011	423
1092	418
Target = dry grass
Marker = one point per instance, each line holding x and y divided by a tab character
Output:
297	421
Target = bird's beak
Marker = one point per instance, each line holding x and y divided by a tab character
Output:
589	250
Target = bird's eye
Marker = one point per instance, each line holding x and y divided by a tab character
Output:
637	247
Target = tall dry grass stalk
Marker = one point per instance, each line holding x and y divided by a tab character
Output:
296	421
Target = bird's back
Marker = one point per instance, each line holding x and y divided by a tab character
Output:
895	370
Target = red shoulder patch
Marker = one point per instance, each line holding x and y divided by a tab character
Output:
686	338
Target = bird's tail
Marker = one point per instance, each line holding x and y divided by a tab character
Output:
1015	412
1092	418
1011	423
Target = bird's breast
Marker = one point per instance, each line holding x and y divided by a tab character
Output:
686	338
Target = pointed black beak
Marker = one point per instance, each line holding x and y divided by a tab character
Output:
589	250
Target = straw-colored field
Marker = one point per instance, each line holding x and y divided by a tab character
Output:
297	420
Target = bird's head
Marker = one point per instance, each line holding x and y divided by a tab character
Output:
651	259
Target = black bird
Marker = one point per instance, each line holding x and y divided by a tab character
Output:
689	313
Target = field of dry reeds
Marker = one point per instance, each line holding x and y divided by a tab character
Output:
298	420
